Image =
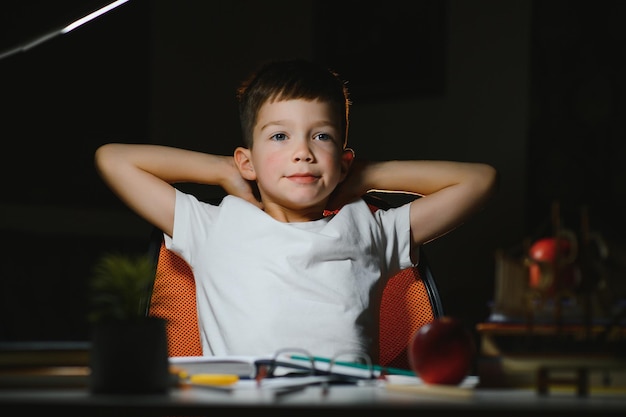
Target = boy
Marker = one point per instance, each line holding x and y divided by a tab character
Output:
276	265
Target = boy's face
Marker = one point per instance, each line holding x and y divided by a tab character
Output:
297	158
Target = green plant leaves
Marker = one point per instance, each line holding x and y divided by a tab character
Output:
120	287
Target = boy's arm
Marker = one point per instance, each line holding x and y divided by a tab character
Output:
142	177
451	191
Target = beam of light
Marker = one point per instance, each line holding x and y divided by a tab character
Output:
92	16
71	26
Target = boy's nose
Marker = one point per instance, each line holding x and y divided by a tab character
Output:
306	158
302	152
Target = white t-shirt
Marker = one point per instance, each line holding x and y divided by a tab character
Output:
264	285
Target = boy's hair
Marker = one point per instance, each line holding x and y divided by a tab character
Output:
288	80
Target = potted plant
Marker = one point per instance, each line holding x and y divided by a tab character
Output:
129	348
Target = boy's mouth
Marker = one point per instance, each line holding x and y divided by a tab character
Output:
303	178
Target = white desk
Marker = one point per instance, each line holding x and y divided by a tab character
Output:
311	401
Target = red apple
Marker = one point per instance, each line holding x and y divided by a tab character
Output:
442	351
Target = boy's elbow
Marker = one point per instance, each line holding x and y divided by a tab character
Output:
490	179
101	154
104	156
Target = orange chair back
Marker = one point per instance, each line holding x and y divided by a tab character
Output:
410	300
174	299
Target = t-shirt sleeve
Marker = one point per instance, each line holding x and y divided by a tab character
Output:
190	214
396	228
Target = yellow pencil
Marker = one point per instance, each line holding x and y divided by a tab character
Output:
213	379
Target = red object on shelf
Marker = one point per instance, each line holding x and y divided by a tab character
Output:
548	272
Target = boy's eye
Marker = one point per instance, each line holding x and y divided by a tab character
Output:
279	137
323	136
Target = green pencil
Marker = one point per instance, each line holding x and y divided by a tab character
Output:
382	369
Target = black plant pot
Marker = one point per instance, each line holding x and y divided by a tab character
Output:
129	357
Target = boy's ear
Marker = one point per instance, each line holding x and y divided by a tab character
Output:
243	161
346	161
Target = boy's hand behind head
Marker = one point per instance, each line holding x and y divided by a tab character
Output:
351	188
246	190
235	184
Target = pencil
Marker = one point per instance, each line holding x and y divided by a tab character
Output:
383	369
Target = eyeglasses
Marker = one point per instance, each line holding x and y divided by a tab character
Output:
345	367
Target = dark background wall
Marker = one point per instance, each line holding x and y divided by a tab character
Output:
60	100
534	88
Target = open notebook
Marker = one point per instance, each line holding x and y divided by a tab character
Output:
248	367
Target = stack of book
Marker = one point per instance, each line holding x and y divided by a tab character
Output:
44	364
549	356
